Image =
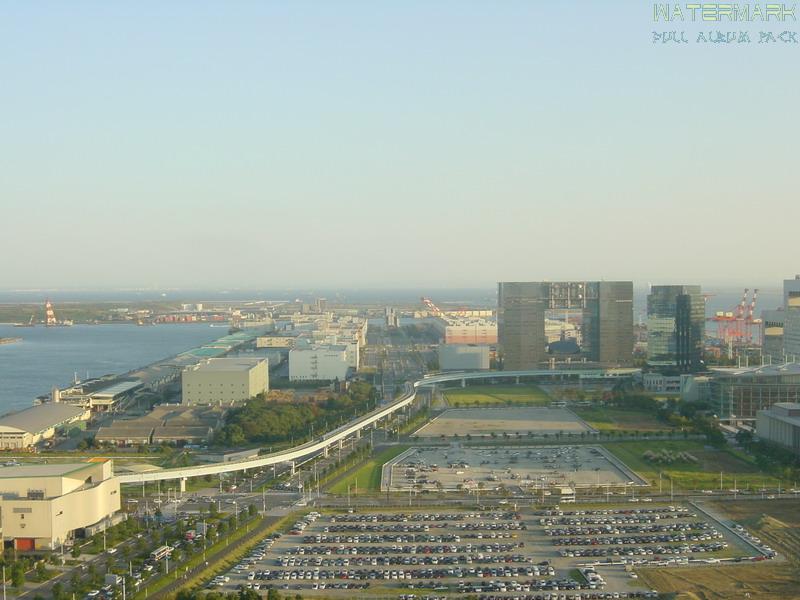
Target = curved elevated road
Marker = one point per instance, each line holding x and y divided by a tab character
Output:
323	443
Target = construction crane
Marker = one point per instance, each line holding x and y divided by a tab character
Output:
49	315
432	307
740	326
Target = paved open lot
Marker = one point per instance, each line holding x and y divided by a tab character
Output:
518	469
488	421
500	553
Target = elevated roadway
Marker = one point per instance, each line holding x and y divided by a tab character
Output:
336	437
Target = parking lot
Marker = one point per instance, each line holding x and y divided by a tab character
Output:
520	470
477	422
498	553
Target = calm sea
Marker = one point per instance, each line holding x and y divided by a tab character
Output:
48	357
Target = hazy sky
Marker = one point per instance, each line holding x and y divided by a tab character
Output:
388	144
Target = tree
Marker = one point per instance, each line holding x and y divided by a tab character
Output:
74	581
252	510
273	594
17	575
76	551
57	590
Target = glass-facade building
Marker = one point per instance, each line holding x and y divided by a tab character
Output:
676	327
740	393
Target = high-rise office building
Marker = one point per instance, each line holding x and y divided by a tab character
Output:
520	324
606	309
675	327
791	319
772	324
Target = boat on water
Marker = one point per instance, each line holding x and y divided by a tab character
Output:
9	340
28	324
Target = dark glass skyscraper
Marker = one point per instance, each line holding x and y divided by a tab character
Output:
676	327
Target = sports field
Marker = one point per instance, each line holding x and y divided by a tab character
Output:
614	419
702	475
491	421
497	395
368	477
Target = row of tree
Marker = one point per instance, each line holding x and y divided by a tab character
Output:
261	421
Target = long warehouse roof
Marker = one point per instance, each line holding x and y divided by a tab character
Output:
42	417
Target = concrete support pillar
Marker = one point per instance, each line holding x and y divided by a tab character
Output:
183	484
463	383
325	452
517	379
292	467
341	444
358	434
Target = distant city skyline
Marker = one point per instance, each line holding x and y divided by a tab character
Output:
280	145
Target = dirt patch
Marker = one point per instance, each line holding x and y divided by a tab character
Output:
726	583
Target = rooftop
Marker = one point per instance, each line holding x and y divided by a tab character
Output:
41	417
764	371
228	364
51	470
119	388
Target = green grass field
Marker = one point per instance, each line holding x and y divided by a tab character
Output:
368	476
703	475
614	419
497	395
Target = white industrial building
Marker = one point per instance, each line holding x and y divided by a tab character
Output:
463	357
780	424
309	362
42	506
28	427
466	330
224	381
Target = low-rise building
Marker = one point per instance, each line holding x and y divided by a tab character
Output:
662	384
224	381
43	506
165	423
98	395
739	393
780	424
28	427
275	341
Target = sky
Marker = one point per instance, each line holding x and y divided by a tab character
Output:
389	144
